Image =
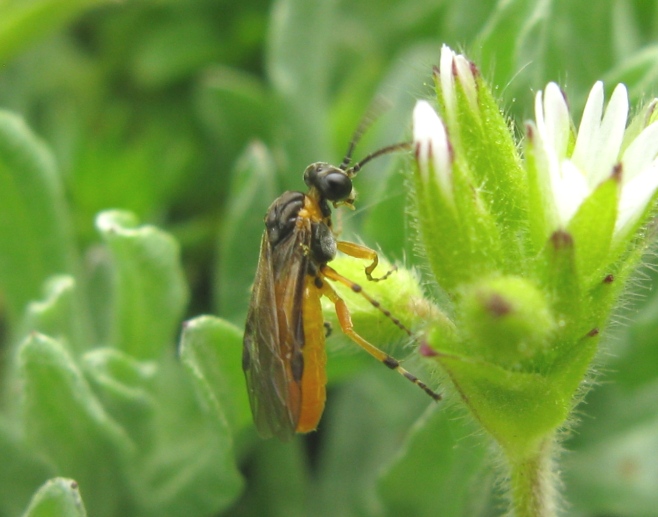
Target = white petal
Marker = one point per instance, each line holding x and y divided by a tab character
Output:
640	153
589	127
611	135
600	138
447	79
556	119
570	190
431	142
465	75
635	195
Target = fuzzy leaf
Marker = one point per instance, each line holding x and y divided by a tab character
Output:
23	22
59	497
150	290
34	228
66	423
59	314
298	64
236	110
20	469
124	385
189	468
211	349
251	191
441	465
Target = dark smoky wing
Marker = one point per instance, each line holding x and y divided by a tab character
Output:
274	334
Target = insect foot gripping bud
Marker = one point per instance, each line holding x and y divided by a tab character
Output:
533	244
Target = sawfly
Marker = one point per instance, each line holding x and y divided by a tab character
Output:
284	355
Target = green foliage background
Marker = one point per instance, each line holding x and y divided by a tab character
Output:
140	145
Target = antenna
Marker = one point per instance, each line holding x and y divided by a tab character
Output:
378	106
401	146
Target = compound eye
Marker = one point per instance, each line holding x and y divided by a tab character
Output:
335	185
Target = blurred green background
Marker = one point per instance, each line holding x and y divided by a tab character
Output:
186	119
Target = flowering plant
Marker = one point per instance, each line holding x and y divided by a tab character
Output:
533	249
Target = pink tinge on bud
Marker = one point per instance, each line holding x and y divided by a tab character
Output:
455	67
426	350
433	151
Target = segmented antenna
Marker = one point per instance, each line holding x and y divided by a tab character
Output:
401	146
374	111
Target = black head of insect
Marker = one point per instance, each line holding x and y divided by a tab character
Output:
330	182
334	184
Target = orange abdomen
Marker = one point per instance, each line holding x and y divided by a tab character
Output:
314	378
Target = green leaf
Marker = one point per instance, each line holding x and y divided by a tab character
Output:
189	467
364	424
638	70
65	422
300	49
23	22
170	49
439	470
514	39
236	108
59	497
616	474
20	469
382	189
280	484
251	192
211	349
34	228
150	290
125	387
59	314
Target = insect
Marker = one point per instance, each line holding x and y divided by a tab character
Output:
284	353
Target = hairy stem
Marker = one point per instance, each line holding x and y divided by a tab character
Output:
532	483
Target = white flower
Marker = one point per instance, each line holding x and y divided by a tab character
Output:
432	147
597	154
451	65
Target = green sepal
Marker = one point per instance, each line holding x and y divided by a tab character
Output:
58	497
437	223
487	142
592	229
555	270
517	408
484	250
150	291
475	246
542	219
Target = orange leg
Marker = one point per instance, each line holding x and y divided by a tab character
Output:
345	322
362	252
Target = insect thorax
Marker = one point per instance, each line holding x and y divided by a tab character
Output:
281	217
281	222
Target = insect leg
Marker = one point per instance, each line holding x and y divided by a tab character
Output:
362	252
345	322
